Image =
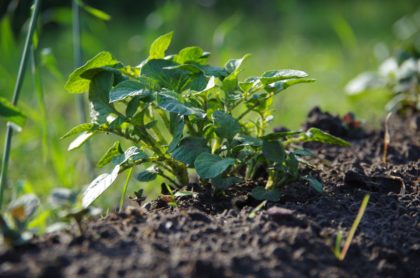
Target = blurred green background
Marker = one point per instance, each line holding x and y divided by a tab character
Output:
331	40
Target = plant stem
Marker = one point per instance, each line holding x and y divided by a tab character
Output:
16	94
124	192
252	107
81	108
170	180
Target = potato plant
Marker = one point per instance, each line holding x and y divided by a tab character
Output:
182	114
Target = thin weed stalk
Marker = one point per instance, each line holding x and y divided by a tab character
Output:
341	254
16	94
124	191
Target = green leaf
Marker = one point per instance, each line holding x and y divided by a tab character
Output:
93	11
246	140
131	153
176	127
226	126
11	113
189	149
314	183
224	183
76	84
171	104
102	112
112	152
303	152
277	75
274	151
166	74
160	45
209	166
132	107
80	128
128	88
214	71
189	54
147	175
230	83
260	193
316	135
98	186
279	86
250	84
234	65
80	140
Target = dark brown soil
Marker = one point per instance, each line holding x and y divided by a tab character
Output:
211	236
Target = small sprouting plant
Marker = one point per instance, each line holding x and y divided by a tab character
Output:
14	221
400	73
179	113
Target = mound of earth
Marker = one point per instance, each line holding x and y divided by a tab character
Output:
215	236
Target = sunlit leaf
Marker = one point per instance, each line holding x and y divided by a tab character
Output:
277	75
160	45
278	86
93	11
80	128
98	186
113	151
80	140
189	54
316	135
76	84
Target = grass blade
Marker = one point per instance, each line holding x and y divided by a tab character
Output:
353	229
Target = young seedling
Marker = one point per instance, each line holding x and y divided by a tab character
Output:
139	197
180	114
14	222
69	207
400	74
340	253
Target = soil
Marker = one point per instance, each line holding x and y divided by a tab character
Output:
211	235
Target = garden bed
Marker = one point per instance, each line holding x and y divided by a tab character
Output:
208	236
